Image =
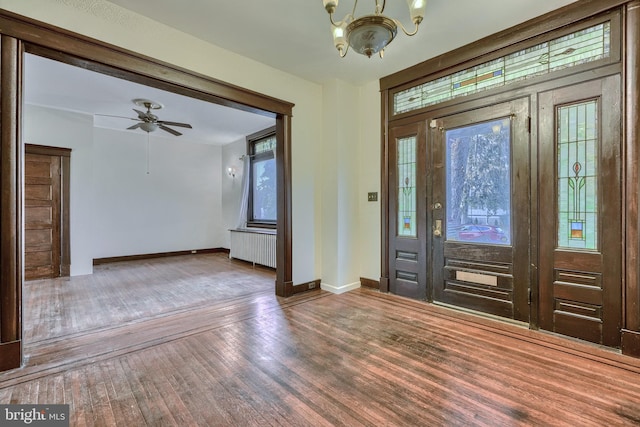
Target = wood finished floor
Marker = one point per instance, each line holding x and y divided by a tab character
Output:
236	355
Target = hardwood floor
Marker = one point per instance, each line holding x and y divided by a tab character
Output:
125	291
237	355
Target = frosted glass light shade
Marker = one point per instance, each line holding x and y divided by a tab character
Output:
148	126
340	36
330	5
370	34
417	9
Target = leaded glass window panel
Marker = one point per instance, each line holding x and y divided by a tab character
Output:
265	145
577	175
406	168
588	45
478	167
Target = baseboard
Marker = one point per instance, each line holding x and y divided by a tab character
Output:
340	289
11	355
369	283
308	286
99	261
384	284
630	343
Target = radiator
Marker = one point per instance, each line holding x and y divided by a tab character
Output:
255	247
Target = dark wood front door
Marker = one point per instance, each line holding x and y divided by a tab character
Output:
480	209
41	216
580	267
407	214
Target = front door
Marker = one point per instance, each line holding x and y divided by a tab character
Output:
580	267
480	216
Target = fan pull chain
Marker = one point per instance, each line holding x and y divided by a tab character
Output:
148	147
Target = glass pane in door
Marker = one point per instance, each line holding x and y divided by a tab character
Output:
577	175
478	183
407	187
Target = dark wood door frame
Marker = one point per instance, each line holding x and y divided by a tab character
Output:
10	206
631	328
496	45
19	35
65	166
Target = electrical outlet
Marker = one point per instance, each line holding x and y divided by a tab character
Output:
312	285
372	196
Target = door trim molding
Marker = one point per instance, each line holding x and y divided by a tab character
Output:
10	204
631	172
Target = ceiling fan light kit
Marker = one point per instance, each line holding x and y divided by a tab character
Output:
370	34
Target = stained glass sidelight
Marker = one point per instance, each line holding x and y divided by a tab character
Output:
406	186
577	174
587	45
478	167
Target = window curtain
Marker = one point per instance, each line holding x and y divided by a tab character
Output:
244	201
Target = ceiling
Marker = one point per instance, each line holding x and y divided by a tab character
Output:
294	35
290	35
53	84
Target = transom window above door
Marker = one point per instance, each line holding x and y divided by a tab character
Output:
580	47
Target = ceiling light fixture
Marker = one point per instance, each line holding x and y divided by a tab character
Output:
370	34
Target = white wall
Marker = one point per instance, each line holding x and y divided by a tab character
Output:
368	242
116	208
340	217
175	206
104	21
231	186
43	126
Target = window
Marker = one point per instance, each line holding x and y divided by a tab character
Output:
262	209
407	187
587	45
577	175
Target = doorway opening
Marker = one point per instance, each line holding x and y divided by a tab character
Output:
136	194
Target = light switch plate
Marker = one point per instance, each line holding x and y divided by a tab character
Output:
372	196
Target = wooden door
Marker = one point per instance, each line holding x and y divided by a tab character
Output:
480	209
407	214
580	267
41	216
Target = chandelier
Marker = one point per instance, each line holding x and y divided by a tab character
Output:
370	34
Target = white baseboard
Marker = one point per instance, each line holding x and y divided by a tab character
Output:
340	289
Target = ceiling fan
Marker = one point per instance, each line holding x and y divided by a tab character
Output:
149	122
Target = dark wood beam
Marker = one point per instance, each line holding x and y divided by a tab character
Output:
284	238
10	204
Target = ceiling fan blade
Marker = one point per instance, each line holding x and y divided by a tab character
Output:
136	126
141	114
111	115
171	131
184	125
